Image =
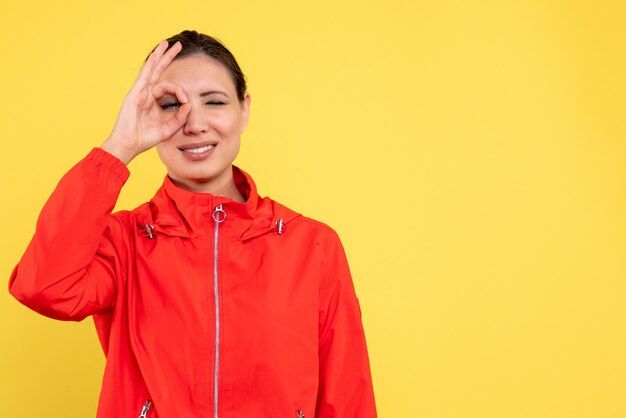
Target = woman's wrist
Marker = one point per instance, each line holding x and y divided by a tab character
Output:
121	153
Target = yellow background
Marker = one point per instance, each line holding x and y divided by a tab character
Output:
471	155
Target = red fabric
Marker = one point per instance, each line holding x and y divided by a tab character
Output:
290	334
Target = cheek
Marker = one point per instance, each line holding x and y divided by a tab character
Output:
228	123
159	149
165	150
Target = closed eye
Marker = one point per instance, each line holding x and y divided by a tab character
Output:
215	103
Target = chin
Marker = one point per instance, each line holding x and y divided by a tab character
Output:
197	176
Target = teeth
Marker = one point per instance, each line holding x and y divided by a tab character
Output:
200	150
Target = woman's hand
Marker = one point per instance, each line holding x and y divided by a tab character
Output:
140	124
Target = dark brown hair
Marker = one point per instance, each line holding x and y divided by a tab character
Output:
195	43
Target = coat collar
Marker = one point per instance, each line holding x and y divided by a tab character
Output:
179	212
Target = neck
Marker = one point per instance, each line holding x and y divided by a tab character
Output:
222	186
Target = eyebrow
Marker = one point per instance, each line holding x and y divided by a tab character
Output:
208	93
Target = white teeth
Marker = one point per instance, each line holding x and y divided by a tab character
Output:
200	150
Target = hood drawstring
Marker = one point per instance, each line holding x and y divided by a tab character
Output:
148	229
146	406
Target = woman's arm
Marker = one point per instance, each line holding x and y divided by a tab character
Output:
345	380
78	255
71	266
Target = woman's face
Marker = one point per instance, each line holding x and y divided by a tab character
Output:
199	155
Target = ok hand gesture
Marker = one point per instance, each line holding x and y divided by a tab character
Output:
140	124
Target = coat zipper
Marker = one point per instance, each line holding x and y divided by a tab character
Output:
145	409
218	216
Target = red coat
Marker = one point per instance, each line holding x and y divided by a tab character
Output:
248	311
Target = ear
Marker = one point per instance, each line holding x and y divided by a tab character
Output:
245	111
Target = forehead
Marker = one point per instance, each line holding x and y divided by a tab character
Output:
198	72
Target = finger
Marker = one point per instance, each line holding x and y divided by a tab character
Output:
164	61
165	87
177	121
148	68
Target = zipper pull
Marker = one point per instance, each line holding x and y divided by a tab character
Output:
145	409
300	414
218	214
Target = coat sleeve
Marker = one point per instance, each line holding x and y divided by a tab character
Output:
71	266
345	389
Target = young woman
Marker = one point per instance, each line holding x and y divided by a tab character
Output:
209	300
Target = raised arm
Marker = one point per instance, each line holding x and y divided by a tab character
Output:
80	251
71	266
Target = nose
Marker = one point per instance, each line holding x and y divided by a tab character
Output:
197	123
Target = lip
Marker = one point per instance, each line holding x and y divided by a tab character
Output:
197	156
194	145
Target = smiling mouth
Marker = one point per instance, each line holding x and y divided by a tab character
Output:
198	150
